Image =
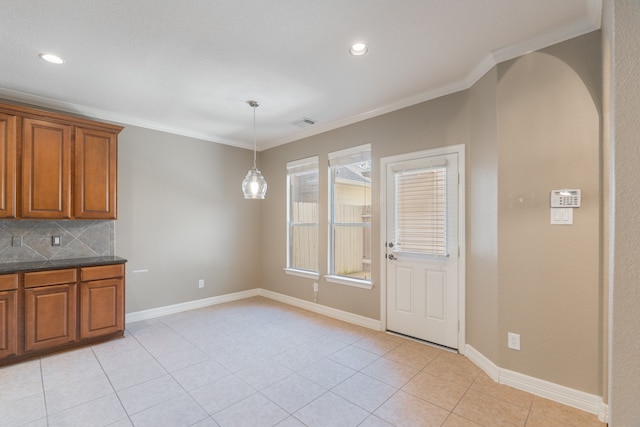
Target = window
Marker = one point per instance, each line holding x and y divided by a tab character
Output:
302	215
350	214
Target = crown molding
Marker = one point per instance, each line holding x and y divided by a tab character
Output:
108	116
389	108
554	36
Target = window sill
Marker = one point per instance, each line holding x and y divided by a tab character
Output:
302	273
341	280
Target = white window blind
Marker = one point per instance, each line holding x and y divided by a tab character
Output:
309	164
350	156
421	217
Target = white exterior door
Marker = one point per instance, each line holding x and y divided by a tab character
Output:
422	247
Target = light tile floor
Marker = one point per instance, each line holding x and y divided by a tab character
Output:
257	362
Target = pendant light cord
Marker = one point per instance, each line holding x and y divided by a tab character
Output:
254	105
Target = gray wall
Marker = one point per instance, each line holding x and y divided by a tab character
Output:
621	26
428	125
482	218
529	125
549	275
182	217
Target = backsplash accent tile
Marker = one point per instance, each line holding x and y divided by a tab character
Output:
78	239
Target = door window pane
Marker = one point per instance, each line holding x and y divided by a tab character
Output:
421	211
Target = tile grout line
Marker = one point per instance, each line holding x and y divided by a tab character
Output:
111	384
152	379
44	392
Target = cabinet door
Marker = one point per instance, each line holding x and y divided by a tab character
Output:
50	316
8	323
8	144
101	307
96	174
46	169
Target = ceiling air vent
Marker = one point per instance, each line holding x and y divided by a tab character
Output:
304	122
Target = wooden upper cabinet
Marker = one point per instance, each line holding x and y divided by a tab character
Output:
96	172
55	166
46	169
8	171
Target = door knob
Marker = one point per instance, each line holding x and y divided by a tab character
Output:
392	257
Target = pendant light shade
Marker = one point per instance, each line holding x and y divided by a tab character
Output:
254	185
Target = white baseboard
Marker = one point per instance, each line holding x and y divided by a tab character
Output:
189	305
296	302
334	313
483	362
567	396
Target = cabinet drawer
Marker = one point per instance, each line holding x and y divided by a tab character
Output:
49	277
101	272
8	282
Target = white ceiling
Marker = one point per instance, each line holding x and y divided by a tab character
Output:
188	67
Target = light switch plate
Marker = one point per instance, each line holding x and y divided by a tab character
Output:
513	341
562	216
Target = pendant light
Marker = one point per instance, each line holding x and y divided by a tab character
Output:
254	185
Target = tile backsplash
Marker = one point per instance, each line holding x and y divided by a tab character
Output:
78	239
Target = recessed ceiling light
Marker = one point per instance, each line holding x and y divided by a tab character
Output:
49	57
358	49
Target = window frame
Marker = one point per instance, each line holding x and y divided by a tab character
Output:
341	158
308	165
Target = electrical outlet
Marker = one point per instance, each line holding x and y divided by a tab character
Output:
513	341
55	240
315	287
16	241
201	283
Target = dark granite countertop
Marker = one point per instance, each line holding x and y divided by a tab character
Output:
57	264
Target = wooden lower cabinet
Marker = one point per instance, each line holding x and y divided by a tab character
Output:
49	316
8	323
101	307
50	310
8	315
